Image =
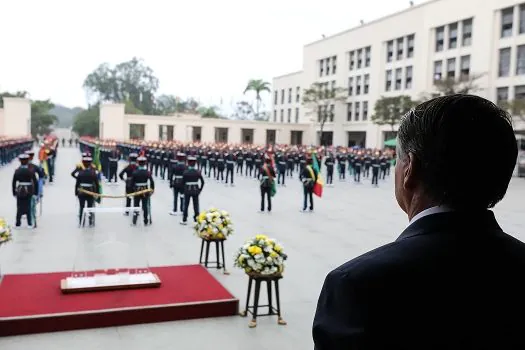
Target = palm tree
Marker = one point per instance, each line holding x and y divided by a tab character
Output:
257	86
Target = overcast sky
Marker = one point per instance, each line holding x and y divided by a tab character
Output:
208	49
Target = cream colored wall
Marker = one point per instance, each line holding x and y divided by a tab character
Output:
421	21
114	124
15	119
2	122
284	83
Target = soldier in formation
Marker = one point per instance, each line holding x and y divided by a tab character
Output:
128	172
86	180
177	183
23	187
193	183
141	180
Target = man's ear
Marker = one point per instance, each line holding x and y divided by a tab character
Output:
409	172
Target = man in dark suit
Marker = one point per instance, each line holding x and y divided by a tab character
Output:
453	279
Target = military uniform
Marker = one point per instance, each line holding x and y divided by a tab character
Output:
24	185
329	163
139	181
177	183
267	179
193	185
230	164
86	179
308	177
128	171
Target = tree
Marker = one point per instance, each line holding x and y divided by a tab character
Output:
208	112
243	111
20	94
127	81
390	110
515	107
258	86
463	85
86	122
41	118
320	99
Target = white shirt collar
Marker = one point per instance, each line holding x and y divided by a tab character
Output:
430	211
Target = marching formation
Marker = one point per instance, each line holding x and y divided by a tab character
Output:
186	168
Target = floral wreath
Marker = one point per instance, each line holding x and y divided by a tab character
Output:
261	255
213	224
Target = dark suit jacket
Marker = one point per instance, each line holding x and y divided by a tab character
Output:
450	281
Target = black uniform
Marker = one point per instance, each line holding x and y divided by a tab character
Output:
382	165
375	169
290	164
221	166
358	163
128	171
267	179
212	158
329	162
230	164
165	163
281	169
308	177
177	183
113	165
87	179
240	162
24	186
249	163
341	161
192	190
258	164
139	182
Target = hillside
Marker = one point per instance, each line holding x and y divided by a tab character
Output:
65	115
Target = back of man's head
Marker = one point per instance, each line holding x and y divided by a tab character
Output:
442	135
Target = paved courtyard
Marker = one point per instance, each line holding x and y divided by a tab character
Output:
349	220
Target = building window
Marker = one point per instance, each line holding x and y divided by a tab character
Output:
334	64
282	96
507	16
400	44
326	90
465	66
327	60
321	67
368	56
297	115
389	51
290	95
366	85
451	68
502	95
359	58
388	86
331	114
365	110
332	87
282	115
289	119
358	85
519	92
349	112
298	94
408	77
274	115
350	86
453	36
275	97
357	111
410	46
399	78
520	63
467	32
319	113
438	70
352	60
504	62
522	18
440	39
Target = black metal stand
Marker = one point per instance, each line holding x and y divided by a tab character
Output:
253	309
220	262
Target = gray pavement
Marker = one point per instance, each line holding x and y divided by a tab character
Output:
349	220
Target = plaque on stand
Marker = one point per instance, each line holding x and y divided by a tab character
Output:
110	261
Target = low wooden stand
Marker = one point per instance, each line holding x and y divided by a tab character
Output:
253	309
104	282
219	263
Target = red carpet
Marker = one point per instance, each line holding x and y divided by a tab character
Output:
34	303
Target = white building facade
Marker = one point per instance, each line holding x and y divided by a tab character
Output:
402	54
